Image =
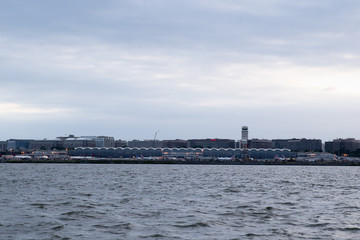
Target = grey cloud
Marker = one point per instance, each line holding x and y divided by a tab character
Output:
191	65
306	27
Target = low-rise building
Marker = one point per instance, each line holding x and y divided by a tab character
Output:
87	141
188	153
46	144
60	143
342	146
2	146
211	143
145	143
18	144
177	143
259	143
121	143
298	145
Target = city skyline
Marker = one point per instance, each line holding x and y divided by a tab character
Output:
191	69
156	138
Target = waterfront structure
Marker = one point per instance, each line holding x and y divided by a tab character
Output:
211	143
71	142
298	145
342	146
188	153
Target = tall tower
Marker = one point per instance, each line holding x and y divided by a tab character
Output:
244	142
244	137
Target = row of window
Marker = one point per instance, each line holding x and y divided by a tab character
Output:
182	149
178	152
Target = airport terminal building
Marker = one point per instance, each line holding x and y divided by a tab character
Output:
186	153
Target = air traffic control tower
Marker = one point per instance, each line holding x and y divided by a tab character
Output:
244	142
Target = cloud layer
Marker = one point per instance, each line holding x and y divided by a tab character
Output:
189	68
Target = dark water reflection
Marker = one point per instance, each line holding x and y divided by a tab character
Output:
74	201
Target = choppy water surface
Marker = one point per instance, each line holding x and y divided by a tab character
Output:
74	201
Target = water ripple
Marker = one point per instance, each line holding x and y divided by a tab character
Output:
45	201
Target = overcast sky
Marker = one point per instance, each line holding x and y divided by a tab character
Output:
189	68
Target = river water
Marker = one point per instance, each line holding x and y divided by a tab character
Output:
88	201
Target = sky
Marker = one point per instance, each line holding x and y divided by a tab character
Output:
185	68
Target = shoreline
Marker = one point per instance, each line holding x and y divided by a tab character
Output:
185	162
